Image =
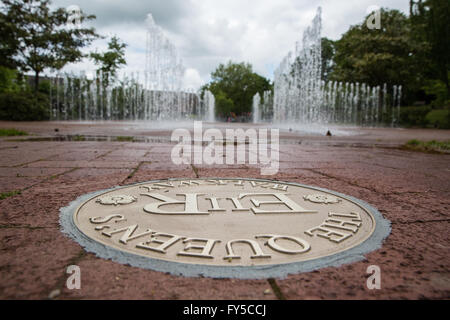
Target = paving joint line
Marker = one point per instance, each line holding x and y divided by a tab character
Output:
195	169
19	226
106	153
74	261
372	190
42	159
421	221
18	192
131	175
276	289
147	153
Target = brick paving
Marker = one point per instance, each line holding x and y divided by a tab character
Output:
411	189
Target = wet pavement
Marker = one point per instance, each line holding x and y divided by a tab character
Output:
41	175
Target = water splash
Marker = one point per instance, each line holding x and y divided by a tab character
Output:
301	97
160	96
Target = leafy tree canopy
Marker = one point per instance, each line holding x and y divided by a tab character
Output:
429	24
110	61
40	38
376	56
234	85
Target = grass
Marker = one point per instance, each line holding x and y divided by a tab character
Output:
122	139
12	133
79	138
5	195
430	146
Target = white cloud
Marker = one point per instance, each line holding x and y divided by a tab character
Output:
192	79
211	32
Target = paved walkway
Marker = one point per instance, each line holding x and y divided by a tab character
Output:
411	189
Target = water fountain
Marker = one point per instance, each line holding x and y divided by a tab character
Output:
160	96
256	108
301	97
209	102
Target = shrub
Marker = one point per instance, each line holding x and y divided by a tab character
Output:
439	119
8	80
414	116
24	106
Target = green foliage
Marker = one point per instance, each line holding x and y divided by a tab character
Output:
414	116
410	51
224	105
24	106
12	133
5	195
78	137
8	79
376	56
110	61
44	87
124	139
328	52
437	89
429	20
236	82
429	146
439	119
41	38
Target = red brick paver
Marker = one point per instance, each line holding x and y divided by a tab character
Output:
410	189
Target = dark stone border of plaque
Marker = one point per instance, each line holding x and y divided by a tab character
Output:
354	254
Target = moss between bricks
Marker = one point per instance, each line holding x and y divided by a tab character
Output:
5	195
12	133
430	146
122	139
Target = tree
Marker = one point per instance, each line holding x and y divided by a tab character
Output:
8	43
224	105
41	38
238	83
110	61
429	23
378	56
328	51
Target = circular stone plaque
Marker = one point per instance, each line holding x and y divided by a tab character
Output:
222	227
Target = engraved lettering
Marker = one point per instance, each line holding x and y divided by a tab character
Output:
331	235
352	215
341	224
237	204
255	184
277	187
215	204
282	199
239	183
258	253
164	244
217	182
99	220
152	187
128	235
190	204
275	246
189	183
102	227
205	248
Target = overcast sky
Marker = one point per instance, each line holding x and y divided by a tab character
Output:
209	32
